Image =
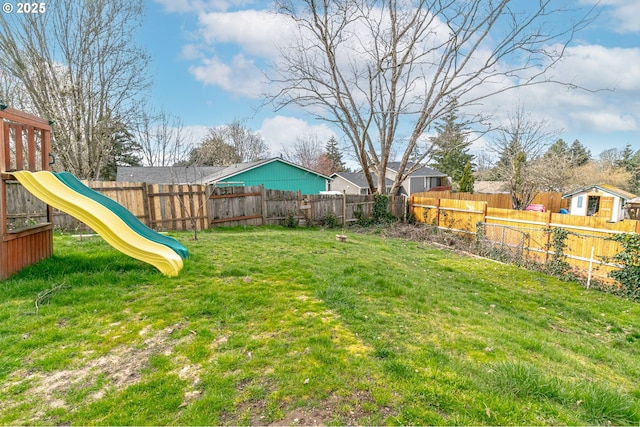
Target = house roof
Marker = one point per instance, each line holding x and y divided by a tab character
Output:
164	175
490	187
358	179
424	171
232	170
605	188
634	201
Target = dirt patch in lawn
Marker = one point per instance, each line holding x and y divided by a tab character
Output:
338	410
356	409
116	370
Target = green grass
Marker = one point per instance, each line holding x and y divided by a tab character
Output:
269	325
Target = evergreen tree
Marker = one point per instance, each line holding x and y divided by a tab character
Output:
574	155
334	156
466	179
580	154
629	161
557	149
450	146
123	151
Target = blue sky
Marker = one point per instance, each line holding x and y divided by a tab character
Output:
206	56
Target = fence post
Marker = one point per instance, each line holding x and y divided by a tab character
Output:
263	204
484	212
145	205
438	212
151	206
344	208
548	245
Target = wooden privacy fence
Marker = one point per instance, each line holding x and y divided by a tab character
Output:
183	207
587	242
229	206
159	206
552	201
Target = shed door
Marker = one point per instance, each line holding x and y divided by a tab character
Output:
606	208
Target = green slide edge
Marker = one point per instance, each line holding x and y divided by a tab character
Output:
127	217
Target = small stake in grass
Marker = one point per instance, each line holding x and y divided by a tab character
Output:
45	295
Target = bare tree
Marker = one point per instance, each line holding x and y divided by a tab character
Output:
307	152
249	145
520	144
375	67
79	66
163	138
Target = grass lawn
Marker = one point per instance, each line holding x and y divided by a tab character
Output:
288	326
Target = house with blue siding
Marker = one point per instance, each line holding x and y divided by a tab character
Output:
274	173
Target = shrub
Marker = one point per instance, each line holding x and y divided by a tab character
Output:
329	220
291	221
558	266
629	275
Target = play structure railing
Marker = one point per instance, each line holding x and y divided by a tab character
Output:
25	144
25	141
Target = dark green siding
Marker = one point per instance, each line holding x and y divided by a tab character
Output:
278	175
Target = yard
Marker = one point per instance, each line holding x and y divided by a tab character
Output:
288	326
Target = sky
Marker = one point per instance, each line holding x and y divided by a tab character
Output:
207	57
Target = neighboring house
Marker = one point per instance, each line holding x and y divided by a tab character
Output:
274	173
490	187
633	208
603	201
353	183
423	179
164	175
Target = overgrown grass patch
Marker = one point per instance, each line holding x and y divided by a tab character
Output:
281	325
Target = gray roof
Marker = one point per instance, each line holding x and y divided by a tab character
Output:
423	171
358	179
164	175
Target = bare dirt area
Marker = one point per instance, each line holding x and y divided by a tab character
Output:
117	370
334	411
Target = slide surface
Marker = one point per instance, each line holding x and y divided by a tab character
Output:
46	187
130	219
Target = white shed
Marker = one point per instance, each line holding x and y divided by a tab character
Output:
603	200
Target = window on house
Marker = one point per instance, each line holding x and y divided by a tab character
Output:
580	199
429	183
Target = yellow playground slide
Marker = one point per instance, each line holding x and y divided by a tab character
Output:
46	187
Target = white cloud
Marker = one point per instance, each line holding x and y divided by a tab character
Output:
604	121
239	77
256	32
624	13
609	105
282	131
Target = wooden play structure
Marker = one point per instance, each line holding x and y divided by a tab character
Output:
26	234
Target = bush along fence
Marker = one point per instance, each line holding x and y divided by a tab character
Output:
196	207
586	244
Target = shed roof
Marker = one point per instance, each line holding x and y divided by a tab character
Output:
605	188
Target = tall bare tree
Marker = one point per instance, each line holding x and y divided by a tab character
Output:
520	144
79	66
248	144
307	152
384	70
163	139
